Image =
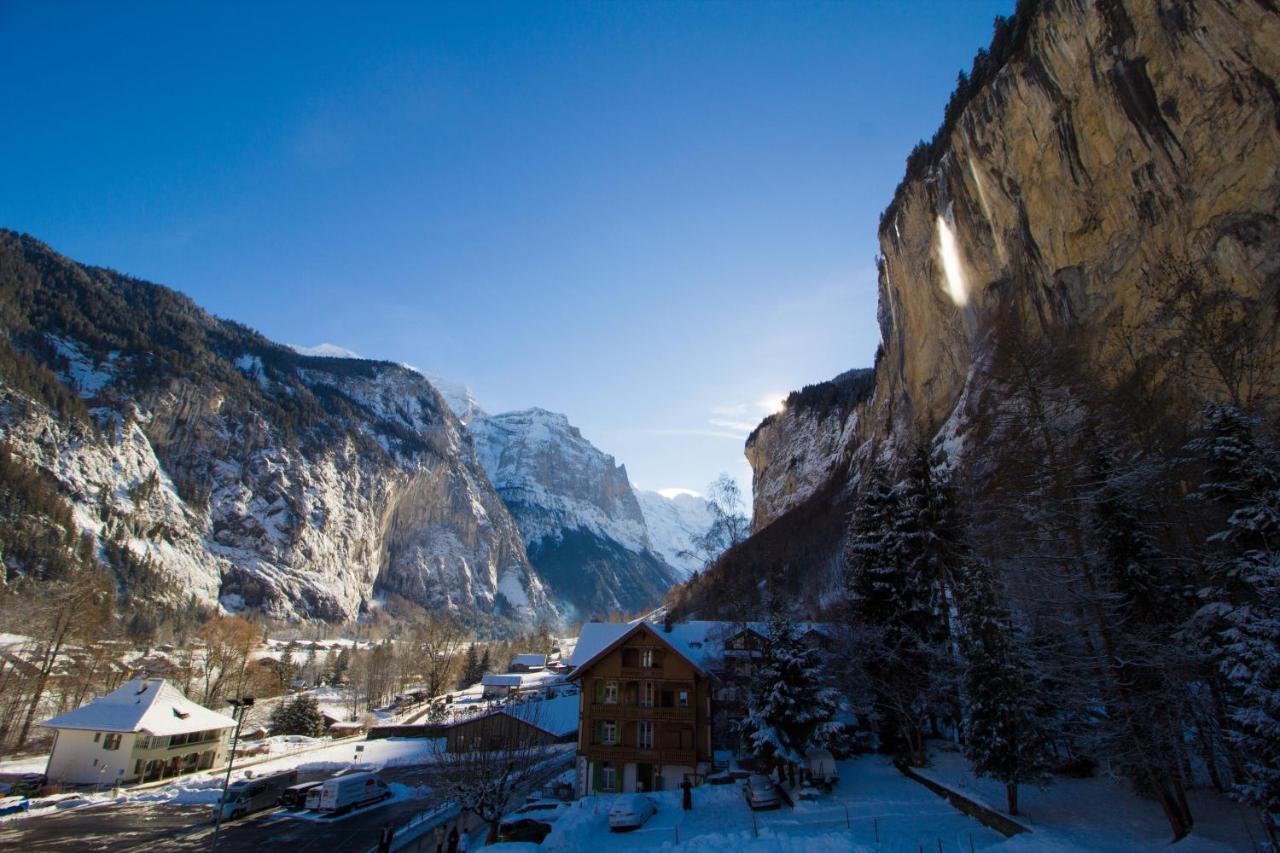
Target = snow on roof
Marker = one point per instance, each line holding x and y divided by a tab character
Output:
142	705
558	717
530	660
512	680
696	640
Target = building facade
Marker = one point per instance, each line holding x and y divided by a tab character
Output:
143	731
645	713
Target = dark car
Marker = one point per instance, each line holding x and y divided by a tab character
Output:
23	784
295	796
524	829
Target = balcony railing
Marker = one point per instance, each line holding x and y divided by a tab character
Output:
600	752
603	710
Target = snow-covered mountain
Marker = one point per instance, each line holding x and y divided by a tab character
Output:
673	525
202	459
582	524
459	397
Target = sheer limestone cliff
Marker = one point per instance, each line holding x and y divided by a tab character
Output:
1108	144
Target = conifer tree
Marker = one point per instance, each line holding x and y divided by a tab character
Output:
1239	618
1006	729
790	710
297	716
872	571
471	668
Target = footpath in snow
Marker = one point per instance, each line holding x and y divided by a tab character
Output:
1098	814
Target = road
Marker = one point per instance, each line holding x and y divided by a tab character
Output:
156	827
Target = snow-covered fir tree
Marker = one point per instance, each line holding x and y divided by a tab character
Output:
1239	617
1006	723
297	716
790	708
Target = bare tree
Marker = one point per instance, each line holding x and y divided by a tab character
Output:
729	523
487	771
434	643
228	643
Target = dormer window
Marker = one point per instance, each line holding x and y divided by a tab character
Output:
181	715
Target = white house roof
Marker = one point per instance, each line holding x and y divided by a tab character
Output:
530	660
143	705
512	680
696	640
558	717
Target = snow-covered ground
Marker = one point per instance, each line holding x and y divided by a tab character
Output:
872	798
875	808
1099	814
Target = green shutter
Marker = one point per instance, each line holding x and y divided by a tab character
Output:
597	734
595	776
599	691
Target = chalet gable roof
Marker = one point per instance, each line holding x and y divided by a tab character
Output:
604	637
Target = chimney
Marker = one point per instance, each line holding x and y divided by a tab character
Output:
666	622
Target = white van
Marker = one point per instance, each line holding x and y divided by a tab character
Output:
347	792
251	795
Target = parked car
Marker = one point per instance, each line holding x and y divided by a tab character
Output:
529	829
295	796
630	812
821	767
762	793
23	784
347	792
251	795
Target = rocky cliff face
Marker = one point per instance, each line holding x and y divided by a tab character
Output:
239	470
1108	144
582	525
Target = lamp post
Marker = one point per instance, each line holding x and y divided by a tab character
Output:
240	706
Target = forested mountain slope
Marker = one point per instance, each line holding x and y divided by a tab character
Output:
205	462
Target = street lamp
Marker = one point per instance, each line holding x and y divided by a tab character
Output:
239	706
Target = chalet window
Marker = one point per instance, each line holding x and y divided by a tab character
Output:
644	734
608	776
611	692
646	658
683	699
137	767
646	694
97	736
143	742
608	732
111	741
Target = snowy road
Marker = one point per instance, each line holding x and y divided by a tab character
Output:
142	826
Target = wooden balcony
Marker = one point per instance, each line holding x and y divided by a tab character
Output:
623	754
619	711
641	673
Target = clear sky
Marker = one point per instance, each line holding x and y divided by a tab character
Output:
657	218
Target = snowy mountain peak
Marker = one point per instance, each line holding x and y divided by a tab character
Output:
674	522
459	398
325	350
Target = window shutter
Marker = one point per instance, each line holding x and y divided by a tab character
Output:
598	734
599	691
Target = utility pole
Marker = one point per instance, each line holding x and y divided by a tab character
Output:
240	706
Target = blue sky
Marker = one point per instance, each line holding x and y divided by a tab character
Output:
657	218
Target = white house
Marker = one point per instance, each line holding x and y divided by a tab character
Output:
144	730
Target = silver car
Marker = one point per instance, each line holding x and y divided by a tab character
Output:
762	793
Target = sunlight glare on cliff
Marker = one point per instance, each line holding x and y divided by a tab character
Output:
952	265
